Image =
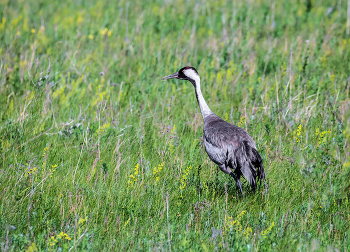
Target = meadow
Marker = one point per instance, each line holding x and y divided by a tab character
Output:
99	154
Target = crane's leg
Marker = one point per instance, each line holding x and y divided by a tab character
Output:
266	187
238	183
262	176
228	171
217	178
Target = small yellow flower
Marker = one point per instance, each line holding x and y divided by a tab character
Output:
103	128
18	33
82	221
127	222
156	172
133	177
321	135
241	122
265	232
59	237
91	36
33	30
298	133
332	78
248	232
109	33
104	31
32	247
184	178
234	223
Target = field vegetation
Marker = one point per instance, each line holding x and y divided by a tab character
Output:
99	154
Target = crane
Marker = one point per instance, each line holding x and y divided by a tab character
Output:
227	145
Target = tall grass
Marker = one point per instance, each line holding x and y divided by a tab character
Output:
99	154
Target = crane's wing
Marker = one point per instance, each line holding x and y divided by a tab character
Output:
225	136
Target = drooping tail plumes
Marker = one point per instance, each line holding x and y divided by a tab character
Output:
258	163
250	164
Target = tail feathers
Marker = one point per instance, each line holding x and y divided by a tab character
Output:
257	162
245	166
249	162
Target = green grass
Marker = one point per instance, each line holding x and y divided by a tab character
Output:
99	154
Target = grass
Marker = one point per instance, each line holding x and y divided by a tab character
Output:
99	154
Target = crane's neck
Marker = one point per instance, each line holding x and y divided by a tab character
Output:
205	110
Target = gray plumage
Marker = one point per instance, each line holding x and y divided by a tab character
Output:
233	150
227	145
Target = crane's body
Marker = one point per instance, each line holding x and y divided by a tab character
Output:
227	145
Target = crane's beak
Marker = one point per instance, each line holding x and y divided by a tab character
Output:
171	76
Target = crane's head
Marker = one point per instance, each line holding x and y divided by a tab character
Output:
185	73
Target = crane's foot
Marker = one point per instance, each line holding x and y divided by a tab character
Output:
266	191
239	187
238	184
266	187
217	178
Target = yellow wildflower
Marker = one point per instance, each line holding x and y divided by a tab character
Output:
321	136
133	177
103	128
265	232
32	248
44	151
241	122
298	133
156	171
184	178
247	232
104	31
31	171
234	223
82	221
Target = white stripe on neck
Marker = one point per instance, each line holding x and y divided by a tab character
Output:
205	110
